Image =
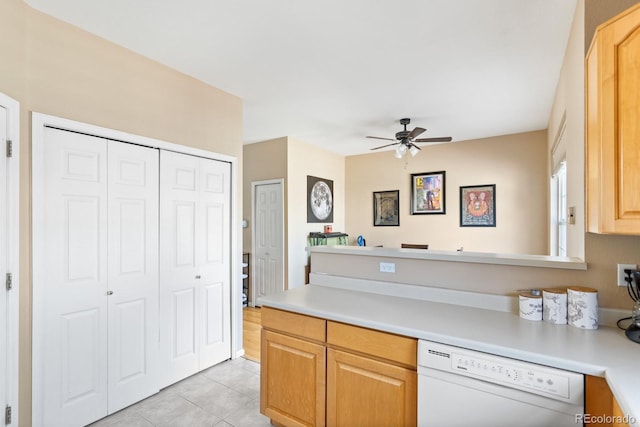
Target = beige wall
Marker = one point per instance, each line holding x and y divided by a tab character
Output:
601	252
569	105
262	161
598	11
293	160
306	159
53	68
515	163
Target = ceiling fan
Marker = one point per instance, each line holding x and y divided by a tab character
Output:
406	140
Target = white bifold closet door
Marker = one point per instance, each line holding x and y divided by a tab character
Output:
100	290
195	329
4	264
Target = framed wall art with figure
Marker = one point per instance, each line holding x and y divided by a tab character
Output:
428	193
478	206
386	208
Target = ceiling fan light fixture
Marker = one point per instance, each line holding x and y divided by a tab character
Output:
399	152
406	140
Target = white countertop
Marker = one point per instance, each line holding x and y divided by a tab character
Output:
523	260
604	352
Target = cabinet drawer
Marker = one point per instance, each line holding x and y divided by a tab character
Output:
294	324
397	348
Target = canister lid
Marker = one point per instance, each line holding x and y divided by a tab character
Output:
554	291
582	289
530	294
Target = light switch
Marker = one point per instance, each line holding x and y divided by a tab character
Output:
572	215
387	267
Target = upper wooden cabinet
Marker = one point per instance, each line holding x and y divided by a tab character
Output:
613	126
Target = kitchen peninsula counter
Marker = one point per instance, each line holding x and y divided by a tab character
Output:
605	352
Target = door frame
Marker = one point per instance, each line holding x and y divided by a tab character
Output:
254	185
39	122
13	248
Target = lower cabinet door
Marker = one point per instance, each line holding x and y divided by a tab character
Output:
292	384
366	392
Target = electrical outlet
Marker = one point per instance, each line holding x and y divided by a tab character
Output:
622	274
387	267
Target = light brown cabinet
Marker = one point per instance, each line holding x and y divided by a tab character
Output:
292	368
601	405
371	377
613	126
316	372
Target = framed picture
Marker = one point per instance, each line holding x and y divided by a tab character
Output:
319	199
428	193
478	206
386	208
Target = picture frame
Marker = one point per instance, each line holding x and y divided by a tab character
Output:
319	200
478	206
428	193
386	208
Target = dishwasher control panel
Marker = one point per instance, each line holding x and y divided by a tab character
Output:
538	379
528	377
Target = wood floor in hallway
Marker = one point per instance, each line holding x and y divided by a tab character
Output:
251	326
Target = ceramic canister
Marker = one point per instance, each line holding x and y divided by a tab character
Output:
554	306
530	306
582	307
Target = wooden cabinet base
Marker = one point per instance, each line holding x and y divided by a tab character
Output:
293	394
366	392
601	405
315	371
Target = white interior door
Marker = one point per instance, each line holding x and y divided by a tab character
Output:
133	273
4	324
268	239
179	290
195	266
73	295
213	258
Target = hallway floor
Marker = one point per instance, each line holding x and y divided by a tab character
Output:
224	395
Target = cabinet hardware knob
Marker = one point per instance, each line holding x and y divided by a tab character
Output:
109	292
198	276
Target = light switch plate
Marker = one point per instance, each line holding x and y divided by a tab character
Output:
387	267
621	273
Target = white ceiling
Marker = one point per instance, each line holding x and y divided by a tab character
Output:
331	72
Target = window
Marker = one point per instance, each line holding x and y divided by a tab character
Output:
559	210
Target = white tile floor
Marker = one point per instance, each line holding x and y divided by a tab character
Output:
224	395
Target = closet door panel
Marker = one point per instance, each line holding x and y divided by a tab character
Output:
4	266
195	267
133	273
180	283
74	329
214	261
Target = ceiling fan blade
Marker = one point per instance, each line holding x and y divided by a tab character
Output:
437	139
377	137
388	145
415	132
414	145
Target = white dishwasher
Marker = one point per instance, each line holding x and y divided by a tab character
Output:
461	387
